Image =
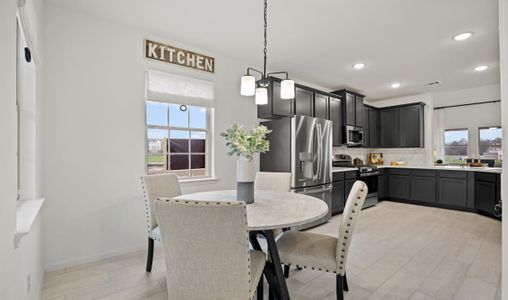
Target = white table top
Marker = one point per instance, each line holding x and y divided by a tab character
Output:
271	210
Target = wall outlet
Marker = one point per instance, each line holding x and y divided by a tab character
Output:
28	283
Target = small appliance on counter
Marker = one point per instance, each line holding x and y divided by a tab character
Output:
366	173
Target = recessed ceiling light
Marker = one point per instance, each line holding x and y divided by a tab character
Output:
463	36
481	68
395	85
359	66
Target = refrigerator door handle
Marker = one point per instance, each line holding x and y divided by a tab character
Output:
316	191
320	150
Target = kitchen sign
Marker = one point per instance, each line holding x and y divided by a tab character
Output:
170	54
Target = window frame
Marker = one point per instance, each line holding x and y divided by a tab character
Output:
479	140
467	146
209	166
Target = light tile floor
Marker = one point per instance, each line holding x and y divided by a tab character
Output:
398	251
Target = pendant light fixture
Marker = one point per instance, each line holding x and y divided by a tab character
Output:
259	88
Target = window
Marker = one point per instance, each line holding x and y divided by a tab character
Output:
456	141
177	139
490	143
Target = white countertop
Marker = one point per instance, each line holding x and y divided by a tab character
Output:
441	168
448	168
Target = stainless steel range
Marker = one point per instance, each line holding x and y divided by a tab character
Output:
366	173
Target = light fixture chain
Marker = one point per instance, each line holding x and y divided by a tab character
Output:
266	43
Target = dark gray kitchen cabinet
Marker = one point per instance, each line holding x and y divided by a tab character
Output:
337	197
399	186
276	107
321	106
360	120
373	129
389	122
336	118
304	102
350	111
486	188
452	188
347	188
423	188
382	184
366	129
411	129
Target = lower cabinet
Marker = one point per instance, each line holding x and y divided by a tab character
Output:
452	188
338	197
399	186
486	188
423	189
347	188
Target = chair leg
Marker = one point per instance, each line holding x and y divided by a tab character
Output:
286	271
149	258
270	295
346	288
260	288
340	287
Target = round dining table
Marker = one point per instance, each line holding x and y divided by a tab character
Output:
271	210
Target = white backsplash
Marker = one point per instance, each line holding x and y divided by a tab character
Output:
417	157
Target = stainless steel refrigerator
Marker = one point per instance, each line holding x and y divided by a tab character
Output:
302	146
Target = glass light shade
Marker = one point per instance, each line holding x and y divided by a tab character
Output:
287	89
261	96
248	85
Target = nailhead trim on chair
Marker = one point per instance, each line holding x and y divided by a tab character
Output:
147	209
224	203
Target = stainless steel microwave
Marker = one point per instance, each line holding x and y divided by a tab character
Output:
355	136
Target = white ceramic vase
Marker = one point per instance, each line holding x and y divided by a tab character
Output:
245	175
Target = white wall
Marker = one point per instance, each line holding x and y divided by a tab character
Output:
8	145
503	36
94	87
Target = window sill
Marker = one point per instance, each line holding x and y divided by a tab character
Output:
26	213
199	180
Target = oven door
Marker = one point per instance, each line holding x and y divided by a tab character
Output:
371	180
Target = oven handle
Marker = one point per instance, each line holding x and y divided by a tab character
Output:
369	174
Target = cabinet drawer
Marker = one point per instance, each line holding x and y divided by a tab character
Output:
351	175
486	177
396	171
452	174
338	176
424	173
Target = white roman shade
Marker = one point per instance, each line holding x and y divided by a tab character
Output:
172	88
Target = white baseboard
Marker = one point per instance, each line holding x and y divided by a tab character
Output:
83	260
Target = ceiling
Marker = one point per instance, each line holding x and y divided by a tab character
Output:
318	41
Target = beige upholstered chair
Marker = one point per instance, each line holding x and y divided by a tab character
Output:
206	247
273	181
321	252
154	186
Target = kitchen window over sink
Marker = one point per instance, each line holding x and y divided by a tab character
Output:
456	141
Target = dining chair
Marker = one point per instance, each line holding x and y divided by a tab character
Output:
206	248
321	252
154	186
273	181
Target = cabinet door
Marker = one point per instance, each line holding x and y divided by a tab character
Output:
382	186
389	123
366	129
280	107
304	100
452	191
373	128
321	106
338	197
359	111
485	196
410	131
336	117
423	189
347	189
399	187
350	111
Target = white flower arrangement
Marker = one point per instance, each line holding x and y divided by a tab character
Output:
245	144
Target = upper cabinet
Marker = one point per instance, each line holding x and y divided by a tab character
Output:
402	126
321	106
373	128
352	108
336	118
276	107
304	102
